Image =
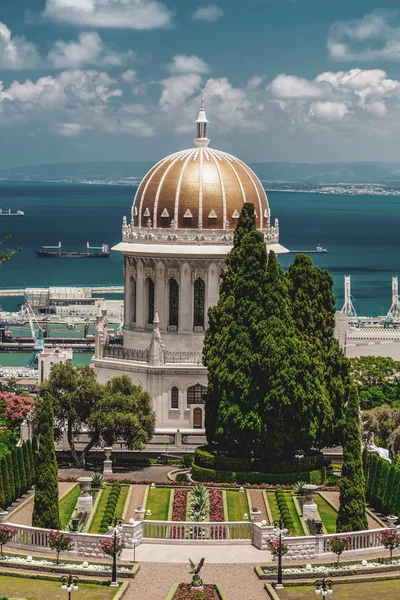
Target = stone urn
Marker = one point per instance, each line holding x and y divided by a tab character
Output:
310	510
107	465
85	500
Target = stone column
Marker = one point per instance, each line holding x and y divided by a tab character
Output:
212	289
310	510
186	299
159	294
127	296
85	500
140	309
107	465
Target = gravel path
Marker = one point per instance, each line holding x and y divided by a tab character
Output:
334	498
152	473
136	501
257	500
155	580
24	515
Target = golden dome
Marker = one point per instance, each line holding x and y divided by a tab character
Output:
199	188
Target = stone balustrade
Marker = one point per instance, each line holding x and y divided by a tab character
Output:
189	532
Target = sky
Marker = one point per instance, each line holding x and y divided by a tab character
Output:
282	80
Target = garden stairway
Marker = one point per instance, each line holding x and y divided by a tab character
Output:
257	500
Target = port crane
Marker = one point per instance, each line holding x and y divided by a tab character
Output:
348	307
393	316
37	335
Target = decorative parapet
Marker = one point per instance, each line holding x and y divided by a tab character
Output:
111	351
183	358
215	237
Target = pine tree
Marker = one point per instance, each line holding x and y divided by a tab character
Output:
46	509
3	503
351	515
17	478
21	469
11	477
6	481
387	494
27	464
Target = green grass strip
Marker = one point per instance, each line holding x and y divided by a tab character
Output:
327	513
298	528
119	509
237	505
22	587
158	502
273	506
98	515
68	504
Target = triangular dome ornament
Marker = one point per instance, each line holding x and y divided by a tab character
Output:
235	215
165	213
135	211
146	213
266	213
187	215
212	215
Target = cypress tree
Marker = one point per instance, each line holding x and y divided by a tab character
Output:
375	481
373	463
11	477
29	446
6	481
365	463
21	468
27	465
46	509
34	455
2	492
17	477
382	485
351	515
387	494
396	495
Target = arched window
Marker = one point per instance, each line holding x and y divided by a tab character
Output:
132	301
199	289
174	397
173	302
150	300
195	394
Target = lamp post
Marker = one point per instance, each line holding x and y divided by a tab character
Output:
134	542
116	530
69	584
299	455
324	587
279	533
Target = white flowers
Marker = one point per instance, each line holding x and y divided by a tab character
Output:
67	566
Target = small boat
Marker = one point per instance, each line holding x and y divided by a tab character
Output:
8	213
321	249
103	251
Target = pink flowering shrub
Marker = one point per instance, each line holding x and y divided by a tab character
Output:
273	547
16	408
390	539
338	545
6	534
186	592
107	545
59	541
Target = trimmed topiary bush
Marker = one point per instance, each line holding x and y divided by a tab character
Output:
209	475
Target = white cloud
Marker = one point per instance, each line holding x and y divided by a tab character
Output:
209	13
181	63
89	49
129	76
178	88
328	111
16	52
121	14
289	86
376	36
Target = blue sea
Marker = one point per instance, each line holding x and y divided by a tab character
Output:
360	231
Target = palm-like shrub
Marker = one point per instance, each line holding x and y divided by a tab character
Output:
198	503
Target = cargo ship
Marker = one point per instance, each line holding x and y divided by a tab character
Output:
103	251
8	213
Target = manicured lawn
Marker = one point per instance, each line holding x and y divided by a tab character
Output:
31	589
380	590
237	505
67	505
298	528
158	502
273	506
98	515
121	501
327	513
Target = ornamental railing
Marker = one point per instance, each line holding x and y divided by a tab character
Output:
170	531
111	351
183	357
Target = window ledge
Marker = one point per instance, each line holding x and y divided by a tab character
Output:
174	409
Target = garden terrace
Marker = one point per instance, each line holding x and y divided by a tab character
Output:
68	504
367	590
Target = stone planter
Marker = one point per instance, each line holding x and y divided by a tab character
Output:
85	500
107	465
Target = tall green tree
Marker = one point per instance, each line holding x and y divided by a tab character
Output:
21	470
6	481
380	492
351	515
387	494
11	476
27	465
17	478
46	510
34	447
3	502
377	379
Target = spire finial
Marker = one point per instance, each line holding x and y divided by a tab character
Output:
201	140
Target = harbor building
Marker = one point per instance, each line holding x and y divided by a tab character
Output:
180	230
50	357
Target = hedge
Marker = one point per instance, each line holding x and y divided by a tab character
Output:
206	458
316	477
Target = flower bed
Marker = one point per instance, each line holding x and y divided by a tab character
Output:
216	505
179	505
43	564
184	591
345	569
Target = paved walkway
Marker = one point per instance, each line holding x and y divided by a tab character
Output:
215	554
145	473
135	502
257	500
334	498
23	515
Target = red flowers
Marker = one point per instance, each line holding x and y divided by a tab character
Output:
273	547
6	534
107	545
216	505
15	407
59	541
390	539
179	505
185	592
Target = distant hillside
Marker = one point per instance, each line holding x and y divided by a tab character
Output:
132	172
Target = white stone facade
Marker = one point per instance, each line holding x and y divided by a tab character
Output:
50	357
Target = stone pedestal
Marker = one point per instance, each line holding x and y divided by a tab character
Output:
310	510
107	465
392	520
3	516
85	500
